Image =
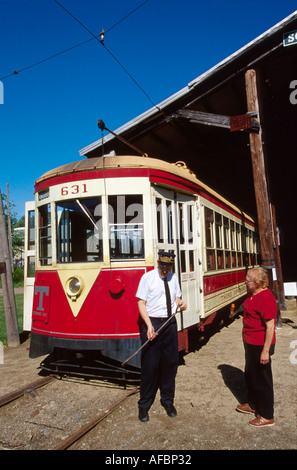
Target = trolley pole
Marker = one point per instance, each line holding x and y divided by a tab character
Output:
13	339
265	223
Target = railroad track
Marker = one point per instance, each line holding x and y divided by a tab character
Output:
91	424
5	399
28	391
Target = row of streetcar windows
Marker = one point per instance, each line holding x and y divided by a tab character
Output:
228	244
79	233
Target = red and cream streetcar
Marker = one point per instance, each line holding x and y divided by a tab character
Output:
99	224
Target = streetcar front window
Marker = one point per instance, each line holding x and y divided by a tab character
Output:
126	234
79	230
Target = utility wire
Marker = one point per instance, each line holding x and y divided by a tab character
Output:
16	72
136	83
101	41
114	25
44	60
126	16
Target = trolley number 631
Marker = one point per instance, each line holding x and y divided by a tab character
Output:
74	189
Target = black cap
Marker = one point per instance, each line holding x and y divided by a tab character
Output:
166	257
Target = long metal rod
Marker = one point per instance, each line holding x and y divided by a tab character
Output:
102	126
84	209
147	341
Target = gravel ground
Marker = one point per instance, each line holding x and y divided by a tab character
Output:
210	383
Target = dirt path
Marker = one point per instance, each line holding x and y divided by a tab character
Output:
209	385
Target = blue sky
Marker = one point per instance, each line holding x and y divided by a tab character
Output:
50	110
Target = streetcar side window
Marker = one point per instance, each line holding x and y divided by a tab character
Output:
233	244
45	235
209	237
126	228
239	245
219	241
31	243
79	230
227	242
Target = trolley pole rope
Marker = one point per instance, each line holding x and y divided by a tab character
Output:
147	341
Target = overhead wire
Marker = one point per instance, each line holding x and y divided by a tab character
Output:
34	64
101	40
44	60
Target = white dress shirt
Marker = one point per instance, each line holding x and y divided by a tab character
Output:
151	289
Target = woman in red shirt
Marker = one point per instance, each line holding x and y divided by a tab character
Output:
259	315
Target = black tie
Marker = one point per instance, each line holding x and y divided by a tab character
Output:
168	298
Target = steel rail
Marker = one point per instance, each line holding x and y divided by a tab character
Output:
91	424
27	388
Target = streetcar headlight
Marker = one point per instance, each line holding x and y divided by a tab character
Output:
74	286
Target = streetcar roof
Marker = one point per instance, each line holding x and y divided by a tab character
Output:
134	162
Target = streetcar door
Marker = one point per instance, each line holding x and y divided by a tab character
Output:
188	256
176	230
29	264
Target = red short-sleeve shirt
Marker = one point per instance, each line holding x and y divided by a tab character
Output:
257	309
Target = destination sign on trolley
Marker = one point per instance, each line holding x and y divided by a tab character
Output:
290	38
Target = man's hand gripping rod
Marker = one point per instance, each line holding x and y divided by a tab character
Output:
151	339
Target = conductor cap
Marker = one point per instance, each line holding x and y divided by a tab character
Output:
166	257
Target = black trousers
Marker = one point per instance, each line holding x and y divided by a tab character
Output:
259	381
159	363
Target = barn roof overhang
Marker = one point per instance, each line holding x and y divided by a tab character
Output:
206	92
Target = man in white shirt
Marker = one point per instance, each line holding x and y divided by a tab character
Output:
159	359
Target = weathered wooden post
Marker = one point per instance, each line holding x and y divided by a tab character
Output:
13	338
261	190
9	227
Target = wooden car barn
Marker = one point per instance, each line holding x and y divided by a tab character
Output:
235	127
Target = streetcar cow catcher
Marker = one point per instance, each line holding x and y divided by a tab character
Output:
99	224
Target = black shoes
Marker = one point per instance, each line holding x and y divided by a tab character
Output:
143	415
170	410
